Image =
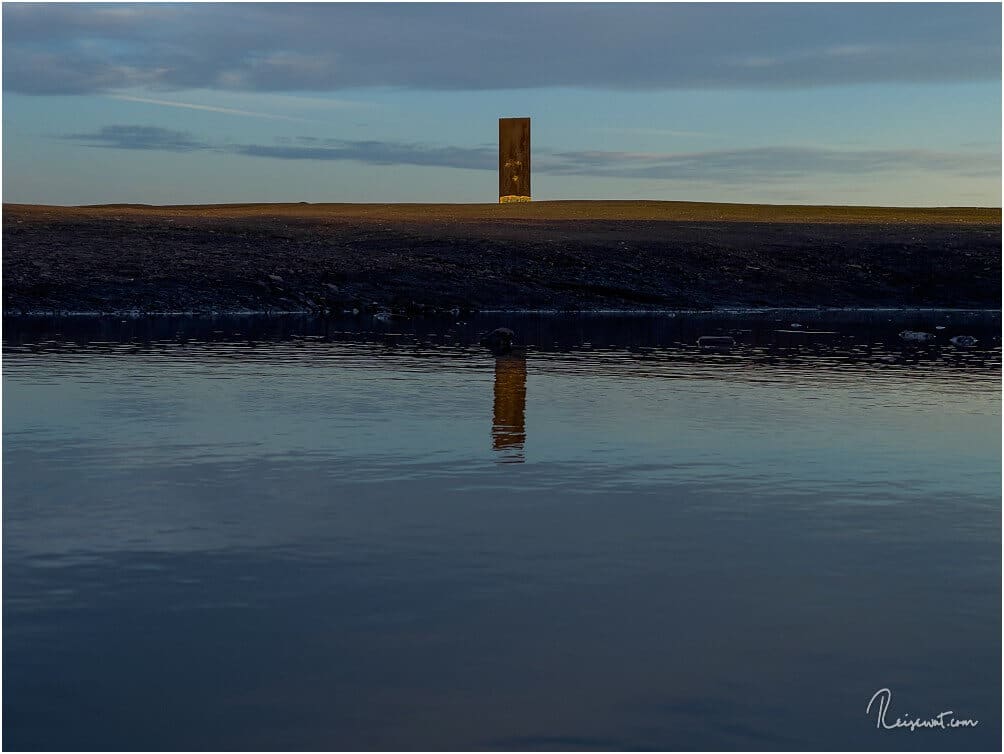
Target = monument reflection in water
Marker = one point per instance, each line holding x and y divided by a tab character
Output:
509	414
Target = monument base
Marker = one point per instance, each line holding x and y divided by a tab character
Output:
512	199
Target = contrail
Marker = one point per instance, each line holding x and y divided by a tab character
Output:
209	108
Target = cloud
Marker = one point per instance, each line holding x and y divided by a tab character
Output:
767	163
733	165
62	48
377	153
139	137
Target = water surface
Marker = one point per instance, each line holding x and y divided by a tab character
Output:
289	533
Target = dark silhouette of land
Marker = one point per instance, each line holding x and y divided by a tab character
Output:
555	255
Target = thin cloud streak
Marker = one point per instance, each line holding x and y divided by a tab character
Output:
735	165
652	131
376	153
152	138
768	163
207	108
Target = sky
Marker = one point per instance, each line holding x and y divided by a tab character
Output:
887	104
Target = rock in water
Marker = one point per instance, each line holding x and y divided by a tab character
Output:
498	341
916	337
384	317
715	342
963	341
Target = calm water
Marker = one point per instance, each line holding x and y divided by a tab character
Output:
296	534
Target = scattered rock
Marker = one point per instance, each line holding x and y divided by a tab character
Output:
963	341
914	336
57	258
719	343
498	341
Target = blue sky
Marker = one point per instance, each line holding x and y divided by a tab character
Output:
788	103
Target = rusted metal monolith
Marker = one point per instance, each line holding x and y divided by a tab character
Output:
514	160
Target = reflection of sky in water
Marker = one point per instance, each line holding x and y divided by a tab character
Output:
696	551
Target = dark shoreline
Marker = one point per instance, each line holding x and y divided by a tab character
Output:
562	256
